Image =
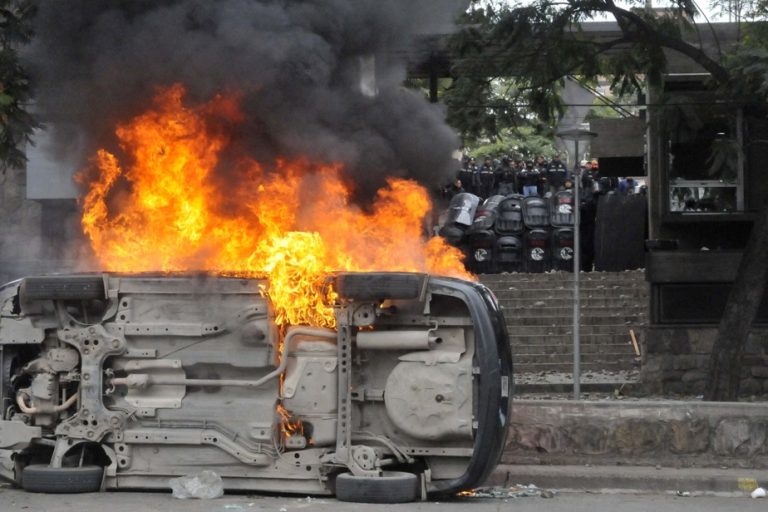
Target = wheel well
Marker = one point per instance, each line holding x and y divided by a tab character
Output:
85	454
34	454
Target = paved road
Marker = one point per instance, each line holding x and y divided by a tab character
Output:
12	500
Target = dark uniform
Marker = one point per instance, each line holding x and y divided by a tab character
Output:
485	179
543	183
556	174
504	178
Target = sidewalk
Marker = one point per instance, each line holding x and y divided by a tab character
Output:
635	479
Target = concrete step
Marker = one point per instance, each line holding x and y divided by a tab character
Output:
525	304
613	366
626	359
562	286
587	388
566	328
566	338
538	309
566	296
567	310
566	319
565	292
628	275
534	289
561	279
587	349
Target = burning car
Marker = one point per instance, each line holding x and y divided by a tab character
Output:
118	381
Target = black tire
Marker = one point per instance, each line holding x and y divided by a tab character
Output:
43	478
391	487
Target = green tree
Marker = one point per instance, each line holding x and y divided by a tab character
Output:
528	142
16	123
541	42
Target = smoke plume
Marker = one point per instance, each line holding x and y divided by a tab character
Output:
296	64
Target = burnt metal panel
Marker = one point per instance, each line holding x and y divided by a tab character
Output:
620	233
694	303
691	267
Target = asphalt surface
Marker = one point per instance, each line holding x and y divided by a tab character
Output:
550	488
634	479
12	500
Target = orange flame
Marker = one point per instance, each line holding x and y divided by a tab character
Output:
160	207
290	426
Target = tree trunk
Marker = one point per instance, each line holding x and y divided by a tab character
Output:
740	311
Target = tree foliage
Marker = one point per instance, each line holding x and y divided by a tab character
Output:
525	142
16	123
540	42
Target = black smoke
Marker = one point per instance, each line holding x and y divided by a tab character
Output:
297	63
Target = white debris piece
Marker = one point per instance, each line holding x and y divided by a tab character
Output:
758	493
204	485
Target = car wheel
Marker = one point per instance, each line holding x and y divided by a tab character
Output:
43	478
391	487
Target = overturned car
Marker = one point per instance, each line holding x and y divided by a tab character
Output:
125	381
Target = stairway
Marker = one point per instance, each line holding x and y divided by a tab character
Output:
539	315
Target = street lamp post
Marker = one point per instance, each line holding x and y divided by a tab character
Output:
576	136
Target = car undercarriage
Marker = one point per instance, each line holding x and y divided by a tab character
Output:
124	381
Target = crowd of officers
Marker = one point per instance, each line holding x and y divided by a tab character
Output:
513	175
510	176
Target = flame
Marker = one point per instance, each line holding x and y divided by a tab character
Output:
160	205
290	426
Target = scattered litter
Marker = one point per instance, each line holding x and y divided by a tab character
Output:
232	506
283	509
309	500
758	493
684	494
515	491
747	484
203	485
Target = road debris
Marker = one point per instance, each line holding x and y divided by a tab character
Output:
634	342
746	484
203	485
515	491
758	493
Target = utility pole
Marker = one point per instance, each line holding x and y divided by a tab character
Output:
576	135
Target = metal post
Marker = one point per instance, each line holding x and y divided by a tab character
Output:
576	268
576	135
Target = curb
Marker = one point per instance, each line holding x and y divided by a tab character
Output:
633	479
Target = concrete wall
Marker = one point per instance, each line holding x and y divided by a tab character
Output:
20	225
675	360
37	236
667	433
